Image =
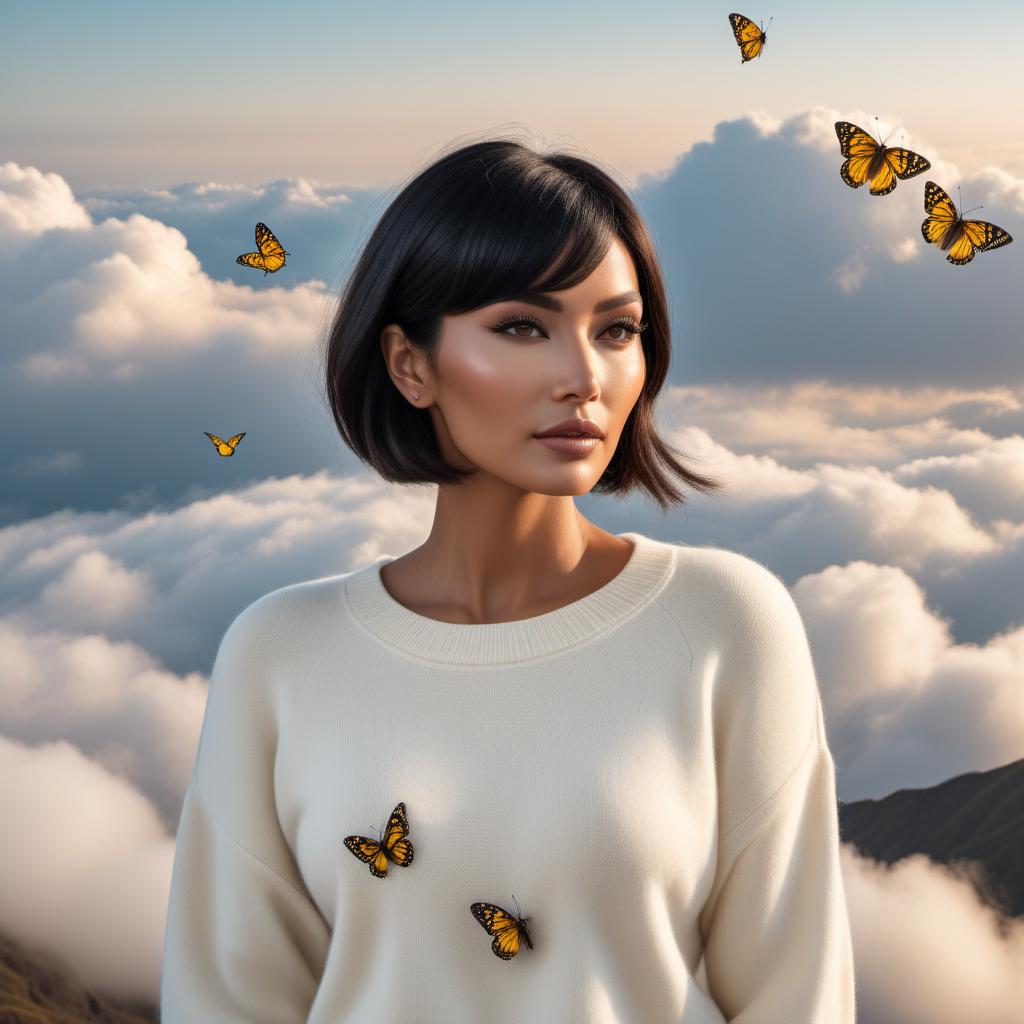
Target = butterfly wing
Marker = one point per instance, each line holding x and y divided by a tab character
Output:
905	163
270	248
398	847
238	437
253	259
214	438
975	236
369	851
859	148
942	214
749	37
989	235
505	928
944	228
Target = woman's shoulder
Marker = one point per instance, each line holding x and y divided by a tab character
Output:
736	587
295	614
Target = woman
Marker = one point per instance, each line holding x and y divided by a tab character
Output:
530	770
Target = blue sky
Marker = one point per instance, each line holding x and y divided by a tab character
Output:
129	94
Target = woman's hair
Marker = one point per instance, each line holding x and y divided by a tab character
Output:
480	225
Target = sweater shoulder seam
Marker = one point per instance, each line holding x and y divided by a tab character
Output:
812	743
224	829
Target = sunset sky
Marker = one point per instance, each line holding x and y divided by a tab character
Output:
150	95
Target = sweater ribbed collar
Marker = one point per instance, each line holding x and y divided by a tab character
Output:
493	643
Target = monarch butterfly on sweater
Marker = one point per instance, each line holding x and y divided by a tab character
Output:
508	929
749	37
945	227
868	160
393	846
225	447
271	254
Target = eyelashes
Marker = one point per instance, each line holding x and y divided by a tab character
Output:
627	322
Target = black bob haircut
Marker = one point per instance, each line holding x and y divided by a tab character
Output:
480	225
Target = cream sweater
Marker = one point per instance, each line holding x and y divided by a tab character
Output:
645	769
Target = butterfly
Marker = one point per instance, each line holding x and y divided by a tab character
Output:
509	931
945	227
749	37
867	159
225	447
393	846
270	256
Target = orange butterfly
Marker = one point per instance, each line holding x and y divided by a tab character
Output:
868	160
749	37
509	931
270	256
225	447
947	229
393	846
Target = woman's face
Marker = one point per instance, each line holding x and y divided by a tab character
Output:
501	382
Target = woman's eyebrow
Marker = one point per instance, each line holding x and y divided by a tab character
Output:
549	302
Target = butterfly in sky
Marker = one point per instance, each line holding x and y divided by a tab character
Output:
749	37
945	227
393	846
868	160
270	256
509	931
225	447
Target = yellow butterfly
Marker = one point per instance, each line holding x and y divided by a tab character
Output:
509	931
270	256
946	228
749	37
867	159
225	447
393	846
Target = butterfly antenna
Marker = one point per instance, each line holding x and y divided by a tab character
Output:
519	909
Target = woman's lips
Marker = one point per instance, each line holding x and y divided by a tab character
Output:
578	446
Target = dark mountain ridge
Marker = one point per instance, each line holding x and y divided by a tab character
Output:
973	822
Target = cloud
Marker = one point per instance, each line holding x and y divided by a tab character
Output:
171	580
112	700
875	563
926	948
32	203
778	271
319	223
130	324
92	861
905	705
803	422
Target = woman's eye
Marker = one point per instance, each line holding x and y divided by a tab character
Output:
521	323
628	329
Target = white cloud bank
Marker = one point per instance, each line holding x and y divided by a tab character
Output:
861	397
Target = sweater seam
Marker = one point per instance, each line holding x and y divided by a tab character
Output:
778	789
293	704
675	623
800	760
224	829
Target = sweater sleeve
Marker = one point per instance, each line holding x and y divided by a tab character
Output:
776	929
244	940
